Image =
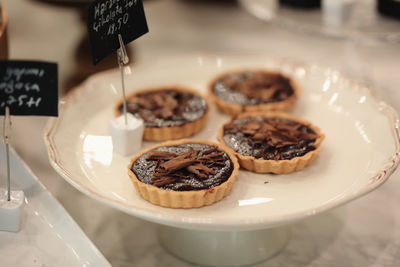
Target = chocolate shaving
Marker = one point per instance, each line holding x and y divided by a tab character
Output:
155	155
162	104
253	125
213	149
266	127
200	170
260	136
164	112
249	131
183	101
265	95
144	103
158	100
276	155
146	115
193	163
163	180
274	136
177	163
209	156
260	85
231	128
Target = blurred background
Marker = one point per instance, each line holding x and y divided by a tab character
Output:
354	37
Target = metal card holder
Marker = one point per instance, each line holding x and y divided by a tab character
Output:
6	138
122	60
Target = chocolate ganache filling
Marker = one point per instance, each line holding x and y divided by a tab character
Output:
269	138
253	88
184	167
166	107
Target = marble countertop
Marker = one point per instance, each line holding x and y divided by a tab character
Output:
365	232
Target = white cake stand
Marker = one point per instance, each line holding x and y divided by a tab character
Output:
359	153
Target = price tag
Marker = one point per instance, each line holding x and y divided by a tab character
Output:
29	88
108	18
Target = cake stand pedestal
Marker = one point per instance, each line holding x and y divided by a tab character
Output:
223	248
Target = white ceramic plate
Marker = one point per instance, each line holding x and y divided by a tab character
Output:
359	153
48	235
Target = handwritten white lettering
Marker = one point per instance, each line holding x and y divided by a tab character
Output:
19	86
32	102
10	87
111	15
7	87
11	100
27	87
17	73
21	99
32	87
101	8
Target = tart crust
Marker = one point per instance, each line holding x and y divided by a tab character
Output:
233	109
170	132
184	199
275	166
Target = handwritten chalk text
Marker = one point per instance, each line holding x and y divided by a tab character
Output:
21	100
29	88
16	86
111	15
17	73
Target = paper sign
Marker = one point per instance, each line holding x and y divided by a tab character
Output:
108	18
29	87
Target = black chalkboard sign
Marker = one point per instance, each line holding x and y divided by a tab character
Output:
29	87
108	18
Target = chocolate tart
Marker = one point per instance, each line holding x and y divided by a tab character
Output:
168	112
186	173
271	142
252	90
